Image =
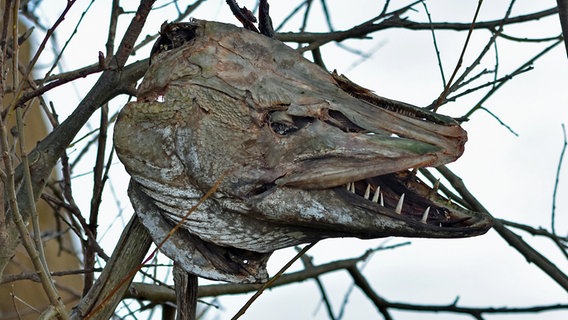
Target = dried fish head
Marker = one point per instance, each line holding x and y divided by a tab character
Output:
306	154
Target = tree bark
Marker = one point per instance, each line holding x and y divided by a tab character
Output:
101	301
186	293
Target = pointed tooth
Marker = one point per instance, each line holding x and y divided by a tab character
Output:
367	192
398	208
425	215
347	186
376	195
381	200
352	187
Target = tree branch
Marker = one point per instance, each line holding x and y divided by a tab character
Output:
111	83
364	29
531	254
563	15
109	288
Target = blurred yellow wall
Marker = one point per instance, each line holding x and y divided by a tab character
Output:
26	299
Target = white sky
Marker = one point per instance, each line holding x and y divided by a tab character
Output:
512	176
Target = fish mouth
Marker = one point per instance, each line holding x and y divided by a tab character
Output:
405	197
392	204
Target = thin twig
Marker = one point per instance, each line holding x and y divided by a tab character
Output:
71	206
500	121
308	265
306	16
130	275
115	12
534	40
327	15
359	31
98	187
363	264
3	41
271	281
61	80
38	53
396	21
444	94
488	84
490	43
35	252
435	45
556	181
318	59
534	231
524	66
33	276
26	239
68	41
360	280
299	276
292	13
161	294
28	184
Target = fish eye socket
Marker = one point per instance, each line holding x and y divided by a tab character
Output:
283	129
284	124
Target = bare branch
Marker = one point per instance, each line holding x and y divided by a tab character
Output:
501	83
115	12
98	186
61	80
148	292
307	261
34	60
563	15
44	157
530	253
363	284
556	181
561	242
272	280
444	94
34	276
108	290
396	21
435	45
28	242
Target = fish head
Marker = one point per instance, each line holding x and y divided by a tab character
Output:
301	154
